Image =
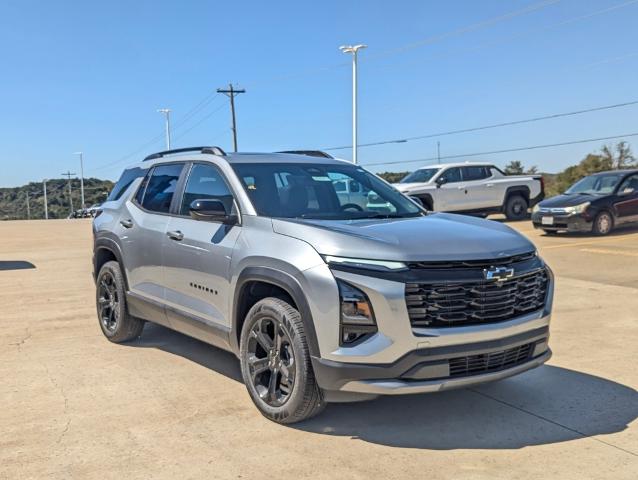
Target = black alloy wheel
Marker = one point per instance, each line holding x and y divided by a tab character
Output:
271	361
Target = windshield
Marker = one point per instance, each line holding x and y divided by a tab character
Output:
321	191
595	184
421	175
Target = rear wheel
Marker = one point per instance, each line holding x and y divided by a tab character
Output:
275	363
516	207
603	223
116	323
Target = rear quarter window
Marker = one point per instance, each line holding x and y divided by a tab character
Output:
128	177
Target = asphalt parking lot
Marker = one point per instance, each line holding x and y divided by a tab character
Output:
166	406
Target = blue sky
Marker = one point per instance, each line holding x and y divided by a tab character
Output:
90	76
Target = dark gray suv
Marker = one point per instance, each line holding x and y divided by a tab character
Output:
322	298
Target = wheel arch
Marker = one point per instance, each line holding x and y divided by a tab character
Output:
282	282
106	249
426	198
522	190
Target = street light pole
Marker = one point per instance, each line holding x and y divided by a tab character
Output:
167	115
46	207
81	177
353	49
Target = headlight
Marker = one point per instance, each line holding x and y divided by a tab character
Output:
357	318
577	208
382	265
536	208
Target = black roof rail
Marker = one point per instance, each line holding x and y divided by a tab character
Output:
210	150
310	153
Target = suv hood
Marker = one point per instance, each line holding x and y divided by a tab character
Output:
567	200
437	236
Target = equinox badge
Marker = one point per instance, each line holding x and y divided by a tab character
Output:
498	273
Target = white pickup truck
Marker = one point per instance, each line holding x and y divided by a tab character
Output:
473	188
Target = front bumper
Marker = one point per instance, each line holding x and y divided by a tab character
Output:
437	369
577	222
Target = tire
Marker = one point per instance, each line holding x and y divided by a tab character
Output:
265	357
110	299
516	207
603	223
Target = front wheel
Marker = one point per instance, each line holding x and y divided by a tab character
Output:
275	363
603	223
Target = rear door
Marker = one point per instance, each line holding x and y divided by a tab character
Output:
197	256
626	199
143	225
479	192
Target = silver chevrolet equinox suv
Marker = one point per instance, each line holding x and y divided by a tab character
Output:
322	300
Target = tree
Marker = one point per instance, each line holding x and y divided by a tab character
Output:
620	156
515	167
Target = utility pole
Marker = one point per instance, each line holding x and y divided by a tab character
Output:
230	93
353	49
46	207
68	174
167	114
438	151
81	177
28	207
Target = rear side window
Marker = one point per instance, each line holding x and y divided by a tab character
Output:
474	173
157	189
128	177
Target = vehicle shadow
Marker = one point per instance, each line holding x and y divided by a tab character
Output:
547	405
15	265
167	340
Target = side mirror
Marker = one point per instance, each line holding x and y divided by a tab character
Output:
440	181
211	211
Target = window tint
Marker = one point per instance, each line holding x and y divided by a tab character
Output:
630	184
452	175
421	175
158	188
206	183
475	173
311	191
128	177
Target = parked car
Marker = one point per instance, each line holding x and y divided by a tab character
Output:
596	204
473	188
321	302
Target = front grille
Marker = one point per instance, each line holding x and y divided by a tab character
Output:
449	303
490	362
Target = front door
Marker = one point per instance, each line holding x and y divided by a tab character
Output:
626	201
450	196
197	256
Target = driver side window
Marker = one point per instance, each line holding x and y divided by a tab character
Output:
205	183
451	175
629	185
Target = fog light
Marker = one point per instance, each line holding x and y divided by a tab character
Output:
357	317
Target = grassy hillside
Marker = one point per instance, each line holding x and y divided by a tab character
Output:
13	203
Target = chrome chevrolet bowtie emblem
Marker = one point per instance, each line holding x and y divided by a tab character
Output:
498	273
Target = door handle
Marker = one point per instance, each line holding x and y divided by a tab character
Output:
489	185
126	223
175	235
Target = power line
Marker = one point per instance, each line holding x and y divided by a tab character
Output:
490	126
508	150
199	122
